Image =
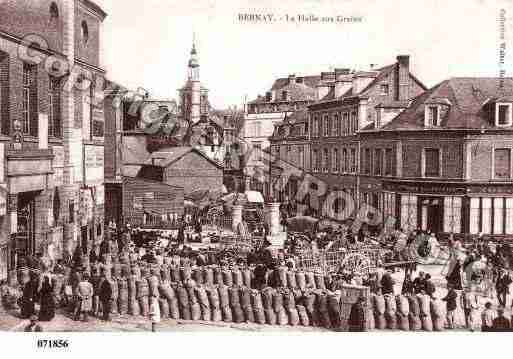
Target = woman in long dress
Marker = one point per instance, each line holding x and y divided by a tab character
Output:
47	301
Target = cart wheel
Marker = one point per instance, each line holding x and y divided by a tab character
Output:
356	264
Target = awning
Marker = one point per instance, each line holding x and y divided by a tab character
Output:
254	197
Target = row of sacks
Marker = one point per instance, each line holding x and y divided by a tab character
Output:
210	275
237	304
410	312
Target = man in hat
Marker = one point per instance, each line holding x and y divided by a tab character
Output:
33	325
105	295
451	305
85	294
502	286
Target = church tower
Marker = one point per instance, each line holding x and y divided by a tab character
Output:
195	85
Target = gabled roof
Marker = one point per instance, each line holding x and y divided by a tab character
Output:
382	73
465	99
167	156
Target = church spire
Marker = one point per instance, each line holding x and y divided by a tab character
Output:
193	62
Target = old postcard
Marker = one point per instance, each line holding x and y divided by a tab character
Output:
255	166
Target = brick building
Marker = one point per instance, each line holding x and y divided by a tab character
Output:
349	106
445	162
52	123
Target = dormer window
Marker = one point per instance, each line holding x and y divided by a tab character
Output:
503	114
432	116
284	96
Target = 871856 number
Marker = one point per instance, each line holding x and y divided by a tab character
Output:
52	344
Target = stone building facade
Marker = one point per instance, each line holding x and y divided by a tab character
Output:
52	125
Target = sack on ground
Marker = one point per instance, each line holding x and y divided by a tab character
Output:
164	308
380	321
144	306
427	323
301	280
415	323
303	316
291	279
237	277
270	316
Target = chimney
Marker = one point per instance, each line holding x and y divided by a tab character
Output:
403	77
292	79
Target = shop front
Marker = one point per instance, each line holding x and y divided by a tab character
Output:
27	224
452	208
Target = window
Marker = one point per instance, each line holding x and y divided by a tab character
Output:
257	150
336	125
284	96
432	116
315	160
54	12
336	160
29	109
85	32
345	124
431	162
367	161
384	89
316	126
354	122
378	162
503	114
288	154
54	108
353	161
502	163
258	129
325	126
325	160
268	96
98	128
301	156
345	164
389	162
71	209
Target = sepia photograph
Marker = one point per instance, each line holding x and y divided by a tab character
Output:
306	167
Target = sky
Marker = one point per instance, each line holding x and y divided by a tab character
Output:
147	43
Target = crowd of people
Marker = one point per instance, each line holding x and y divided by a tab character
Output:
87	293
